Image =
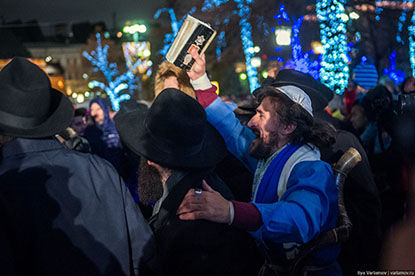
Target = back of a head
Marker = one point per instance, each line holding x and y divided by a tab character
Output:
29	106
376	102
166	70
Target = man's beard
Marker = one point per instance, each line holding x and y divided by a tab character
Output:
150	187
262	150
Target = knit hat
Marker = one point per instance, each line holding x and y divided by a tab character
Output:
365	75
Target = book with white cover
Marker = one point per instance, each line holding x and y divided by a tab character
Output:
192	34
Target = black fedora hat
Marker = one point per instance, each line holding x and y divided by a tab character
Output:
174	132
319	94
29	106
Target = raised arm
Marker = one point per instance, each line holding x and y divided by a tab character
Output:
220	115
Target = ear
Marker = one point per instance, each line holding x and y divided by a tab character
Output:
288	129
151	163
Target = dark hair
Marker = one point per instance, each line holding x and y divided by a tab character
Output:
80	112
308	130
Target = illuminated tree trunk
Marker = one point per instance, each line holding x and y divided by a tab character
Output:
334	70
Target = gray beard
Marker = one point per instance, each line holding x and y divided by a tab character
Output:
150	187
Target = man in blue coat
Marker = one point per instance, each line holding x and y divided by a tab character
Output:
62	212
294	196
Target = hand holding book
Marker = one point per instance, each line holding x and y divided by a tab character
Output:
199	66
193	36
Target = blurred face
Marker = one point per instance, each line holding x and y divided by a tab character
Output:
358	118
266	126
79	124
409	85
97	113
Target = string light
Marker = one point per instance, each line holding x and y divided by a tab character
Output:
334	70
396	75
411	30
115	84
299	61
246	35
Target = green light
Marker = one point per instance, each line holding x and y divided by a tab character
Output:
265	74
243	76
90	85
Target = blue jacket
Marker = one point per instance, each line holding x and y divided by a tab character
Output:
307	204
67	213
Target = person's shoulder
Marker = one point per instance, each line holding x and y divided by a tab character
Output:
89	161
314	167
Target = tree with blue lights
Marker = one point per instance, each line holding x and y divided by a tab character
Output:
334	70
243	11
411	30
116	87
396	75
299	61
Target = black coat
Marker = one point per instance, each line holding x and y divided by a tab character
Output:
201	247
67	213
363	206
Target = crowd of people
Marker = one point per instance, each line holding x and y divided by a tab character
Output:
194	185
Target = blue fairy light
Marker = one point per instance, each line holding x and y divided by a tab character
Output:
334	70
243	12
396	75
115	84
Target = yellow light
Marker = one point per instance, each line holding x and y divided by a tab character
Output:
119	34
74	95
60	84
317	47
142	28
215	83
86	94
146	53
243	76
257	49
256	62
283	36
80	98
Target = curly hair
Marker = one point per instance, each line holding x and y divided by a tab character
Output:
308	130
166	70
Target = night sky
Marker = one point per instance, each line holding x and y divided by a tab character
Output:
55	11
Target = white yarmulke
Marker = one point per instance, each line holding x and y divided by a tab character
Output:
298	96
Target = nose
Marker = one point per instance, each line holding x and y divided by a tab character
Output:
251	122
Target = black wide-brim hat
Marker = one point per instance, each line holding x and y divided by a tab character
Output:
174	132
29	106
319	94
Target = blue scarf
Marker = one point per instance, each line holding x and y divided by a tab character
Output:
268	188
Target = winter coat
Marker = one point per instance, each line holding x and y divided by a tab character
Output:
67	213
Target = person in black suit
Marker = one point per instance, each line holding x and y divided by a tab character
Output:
182	150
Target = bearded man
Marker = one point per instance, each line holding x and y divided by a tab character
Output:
181	149
294	194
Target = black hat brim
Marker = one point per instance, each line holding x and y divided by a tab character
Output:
59	119
133	133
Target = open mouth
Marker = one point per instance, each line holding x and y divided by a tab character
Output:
256	132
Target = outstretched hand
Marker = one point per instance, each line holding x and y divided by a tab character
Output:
199	66
209	205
